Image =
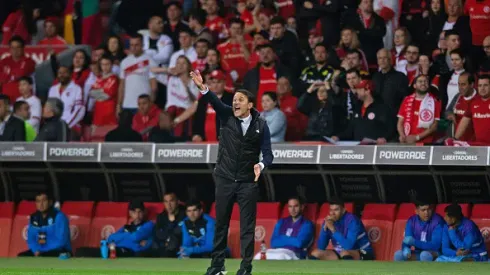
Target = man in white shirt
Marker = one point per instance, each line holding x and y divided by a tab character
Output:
135	76
25	90
72	97
186	38
157	45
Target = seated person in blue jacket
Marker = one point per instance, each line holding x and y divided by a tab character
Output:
131	240
462	241
349	238
292	235
48	234
197	232
423	232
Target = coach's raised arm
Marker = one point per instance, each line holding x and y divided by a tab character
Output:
243	135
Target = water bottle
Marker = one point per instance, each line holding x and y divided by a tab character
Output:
112	249
104	249
263	251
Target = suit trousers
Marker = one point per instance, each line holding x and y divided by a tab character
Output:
246	195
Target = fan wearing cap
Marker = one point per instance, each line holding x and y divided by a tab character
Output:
206	123
371	121
51	30
419	114
462	241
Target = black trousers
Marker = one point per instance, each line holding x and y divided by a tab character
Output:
51	253
227	193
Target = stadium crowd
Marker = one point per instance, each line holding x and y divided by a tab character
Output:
185	231
372	71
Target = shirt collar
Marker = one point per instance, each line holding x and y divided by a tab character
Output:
7	118
247	119
471	96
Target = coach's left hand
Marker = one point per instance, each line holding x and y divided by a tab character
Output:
257	171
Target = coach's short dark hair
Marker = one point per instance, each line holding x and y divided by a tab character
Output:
454	211
336	201
250	97
191	203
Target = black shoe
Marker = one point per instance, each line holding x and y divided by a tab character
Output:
243	272
216	271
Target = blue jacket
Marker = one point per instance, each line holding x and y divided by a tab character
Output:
130	236
465	236
349	235
427	235
295	236
198	235
56	229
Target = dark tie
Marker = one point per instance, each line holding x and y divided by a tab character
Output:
239	123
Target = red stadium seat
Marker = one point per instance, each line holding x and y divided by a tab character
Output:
322	214
480	214
6	216
267	217
378	220
405	211
80	216
153	209
18	236
109	217
466	208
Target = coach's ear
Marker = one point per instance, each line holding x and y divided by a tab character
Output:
250	105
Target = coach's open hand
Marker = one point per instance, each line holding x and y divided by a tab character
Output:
257	171
197	78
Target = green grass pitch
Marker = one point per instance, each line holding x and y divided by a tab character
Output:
47	266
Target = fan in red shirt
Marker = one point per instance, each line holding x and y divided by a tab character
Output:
214	62
467	94
235	51
202	47
419	114
214	22
13	67
146	117
104	92
410	66
478	114
296	121
267	72
20	23
285	8
51	30
245	15
479	13
259	38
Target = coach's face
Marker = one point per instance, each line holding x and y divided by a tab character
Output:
336	212
241	105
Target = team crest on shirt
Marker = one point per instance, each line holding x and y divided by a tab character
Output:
426	115
371	116
486	9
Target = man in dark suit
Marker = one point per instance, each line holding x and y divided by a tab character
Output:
12	128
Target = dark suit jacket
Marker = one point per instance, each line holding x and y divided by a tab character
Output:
14	130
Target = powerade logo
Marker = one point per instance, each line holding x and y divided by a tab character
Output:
180	153
294	154
403	155
71	152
